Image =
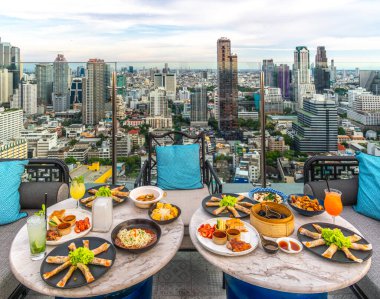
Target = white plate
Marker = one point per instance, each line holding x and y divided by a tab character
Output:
80	215
251	237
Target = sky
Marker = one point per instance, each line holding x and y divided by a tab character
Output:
186	31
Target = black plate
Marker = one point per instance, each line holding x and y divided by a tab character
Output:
228	213
97	271
163	221
115	203
137	223
304	212
339	256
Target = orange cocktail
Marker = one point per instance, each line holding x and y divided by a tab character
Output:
333	202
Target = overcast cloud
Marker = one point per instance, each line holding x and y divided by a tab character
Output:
143	30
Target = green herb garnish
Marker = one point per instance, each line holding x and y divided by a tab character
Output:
81	255
270	197
335	236
41	212
228	201
103	192
79	179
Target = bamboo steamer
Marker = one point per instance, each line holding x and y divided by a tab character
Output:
274	228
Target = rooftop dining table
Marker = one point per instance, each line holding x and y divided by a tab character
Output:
281	275
127	271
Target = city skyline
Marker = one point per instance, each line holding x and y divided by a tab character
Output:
167	31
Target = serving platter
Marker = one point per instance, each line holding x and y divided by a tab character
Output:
80	214
77	279
251	194
226	213
251	237
339	256
115	203
303	211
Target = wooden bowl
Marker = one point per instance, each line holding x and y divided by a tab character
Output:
274	228
219	237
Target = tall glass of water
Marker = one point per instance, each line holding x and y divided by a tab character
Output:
37	236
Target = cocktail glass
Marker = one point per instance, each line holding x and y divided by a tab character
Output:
77	191
333	202
36	226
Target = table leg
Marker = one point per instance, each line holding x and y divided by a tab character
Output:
237	289
142	290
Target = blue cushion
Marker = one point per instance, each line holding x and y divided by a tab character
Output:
369	186
178	167
10	180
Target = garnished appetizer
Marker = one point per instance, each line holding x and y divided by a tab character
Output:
105	191
164	211
206	230
229	203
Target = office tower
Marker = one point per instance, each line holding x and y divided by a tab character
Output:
332	71
81	71
166	68
95	91
198	98
158	103
44	77
353	93
227	88
5	85
120	107
11	123
166	80
15	67
76	91
121	84
316	129
365	109
283	80
61	72
274	103
27	93
370	80
269	70
301	75
130	69
5	54
158	80
321	71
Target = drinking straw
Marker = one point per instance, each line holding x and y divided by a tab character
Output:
327	183
45	207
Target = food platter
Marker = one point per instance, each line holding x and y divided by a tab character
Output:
116	199
147	225
77	279
251	237
80	214
226	213
339	256
319	209
259	195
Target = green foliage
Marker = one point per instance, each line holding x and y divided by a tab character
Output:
79	179
131	163
223	158
341	131
288	139
42	211
213	123
101	161
271	157
70	160
73	142
345	144
249	124
103	192
287	110
246	89
270	126
341	91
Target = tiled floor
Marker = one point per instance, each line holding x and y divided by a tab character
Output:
188	275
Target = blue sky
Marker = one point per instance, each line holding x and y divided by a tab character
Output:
186	31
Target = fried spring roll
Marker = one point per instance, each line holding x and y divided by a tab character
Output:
219	210
233	211
212	204
329	253
101	248
92	191
317	227
314	243
57	259
89	205
88	199
86	272
354	238
55	271
246	204
72	246
117	199
86	244
240	198
118	188
213	198
243	209
350	256
305	232
363	247
101	262
65	278
119	193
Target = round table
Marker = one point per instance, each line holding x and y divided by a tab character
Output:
303	273
127	271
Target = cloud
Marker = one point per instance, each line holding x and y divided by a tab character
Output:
187	30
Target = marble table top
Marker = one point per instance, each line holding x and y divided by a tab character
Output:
294	273
128	269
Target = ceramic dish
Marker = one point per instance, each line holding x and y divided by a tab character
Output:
226	212
117	199
303	211
257	193
157	193
162	222
289	245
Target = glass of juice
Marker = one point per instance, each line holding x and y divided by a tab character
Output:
77	189
36	226
333	202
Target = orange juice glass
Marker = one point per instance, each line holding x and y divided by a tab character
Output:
333	202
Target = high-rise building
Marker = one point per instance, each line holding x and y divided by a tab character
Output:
6	84
166	80
44	77
283	80
370	80
301	74
15	67
227	88
269	70
365	109
11	123
76	91
332	71
321	71
95	91
158	103
353	93
198	115
5	54
61	73
27	93
316	128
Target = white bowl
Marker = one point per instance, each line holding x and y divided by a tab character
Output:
287	240
135	193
